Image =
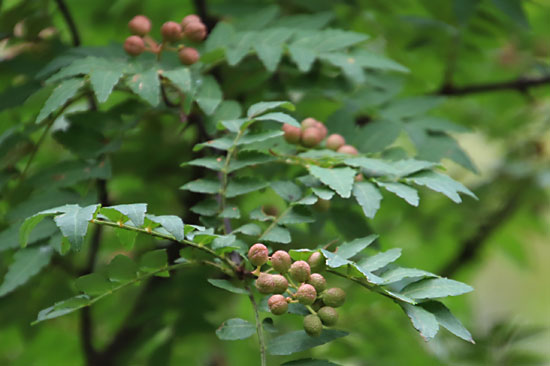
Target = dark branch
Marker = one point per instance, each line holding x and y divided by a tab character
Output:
201	8
70	21
520	85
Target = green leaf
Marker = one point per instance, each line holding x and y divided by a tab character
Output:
146	85
230	212
323	193
172	224
135	212
228	286
299	341
74	223
240	186
370	60
209	95
235	329
296	215
402	190
104	79
441	183
399	273
223	143
153	261
240	47
422	320
93	284
513	9
60	95
368	196
249	229
127	238
269	46
309	362
31	222
62	308
334	260
9	238
277	234
339	179
410	107
378	135
287	190
181	78
262	107
209	162
435	288
26	263
249	158
203	186
279	117
380	260
348	250
122	269
304	57
259	137
208	207
447	320
372	167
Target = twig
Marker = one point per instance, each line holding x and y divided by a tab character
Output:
70	21
259	327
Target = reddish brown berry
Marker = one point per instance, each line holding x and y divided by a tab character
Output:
311	136
292	134
300	271
195	31
328	315
191	18
280	261
306	294
358	177
277	304
265	283
270	210
258	254
313	325
309	122
348	149
139	25
171	31
316	262
134	45
280	283
317	281
334	297
188	55
321	126
335	141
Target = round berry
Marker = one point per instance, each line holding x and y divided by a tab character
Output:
300	271
277	304
313	325
306	294
258	254
265	283
188	55
318	304
134	45
280	261
321	126
317	262
328	315
292	134
195	31
171	31
280	284
311	136
139	25
347	149
191	18
358	178
335	141
334	297
318	281
309	122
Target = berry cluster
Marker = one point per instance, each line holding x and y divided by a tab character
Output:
302	283
312	133
191	29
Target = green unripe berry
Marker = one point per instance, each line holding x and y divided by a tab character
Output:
316	261
265	283
311	136
188	55
313	325
306	294
318	281
258	254
171	31
292	134
335	141
347	149
134	45
334	297
280	261
328	315
280	284
139	25
277	304
300	271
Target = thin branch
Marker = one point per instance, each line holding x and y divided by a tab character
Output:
520	85
70	21
259	327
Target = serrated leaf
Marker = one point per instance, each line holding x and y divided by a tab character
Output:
235	329
259	137
287	190
339	179
298	341
397	274
447	320
435	288
146	85
26	263
222	143
209	162
269	46
104	79
62	308
74	224
277	234
368	196
60	95
10	238
181	78
249	229
228	286
441	183
410	107
209	95
380	260
122	269
422	320
239	47
153	261
203	186
370	60
223	241
171	223
262	107
333	260
208	207
303	57
135	212
379	134
279	117
349	249
127	238
249	158
323	193
402	190
230	212
240	186
93	284
296	215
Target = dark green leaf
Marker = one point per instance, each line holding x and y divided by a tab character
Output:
349	249
122	269
262	107
26	263
339	179
380	260
63	308
203	186
181	78
287	190
298	341
402	190
93	284
228	286
146	85
423	321
309	362
441	183
447	320
277	234
235	329
368	196
434	288
209	95
154	260
240	186
172	224
60	95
